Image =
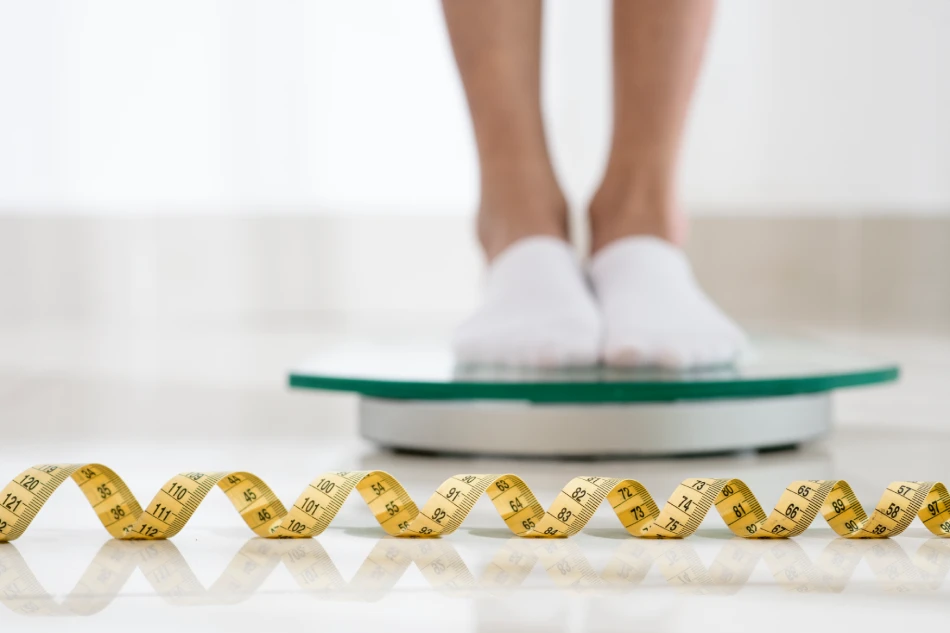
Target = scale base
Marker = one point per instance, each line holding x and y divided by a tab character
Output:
522	429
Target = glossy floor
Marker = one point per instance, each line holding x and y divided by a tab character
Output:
154	405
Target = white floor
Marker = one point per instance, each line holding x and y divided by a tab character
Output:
156	403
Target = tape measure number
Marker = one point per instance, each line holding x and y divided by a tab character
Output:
315	508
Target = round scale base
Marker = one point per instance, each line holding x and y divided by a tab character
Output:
522	429
416	398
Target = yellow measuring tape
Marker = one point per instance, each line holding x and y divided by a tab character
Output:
443	513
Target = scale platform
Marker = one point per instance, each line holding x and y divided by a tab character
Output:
417	399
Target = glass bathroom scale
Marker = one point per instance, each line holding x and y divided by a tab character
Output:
414	397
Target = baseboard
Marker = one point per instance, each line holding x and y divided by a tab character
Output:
879	271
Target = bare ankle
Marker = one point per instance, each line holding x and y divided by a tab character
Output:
501	225
515	210
635	205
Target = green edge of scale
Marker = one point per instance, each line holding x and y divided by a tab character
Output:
554	391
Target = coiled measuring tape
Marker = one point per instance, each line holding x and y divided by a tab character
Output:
443	513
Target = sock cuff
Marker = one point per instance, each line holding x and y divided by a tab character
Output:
642	252
531	250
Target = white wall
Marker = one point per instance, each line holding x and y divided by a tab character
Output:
805	105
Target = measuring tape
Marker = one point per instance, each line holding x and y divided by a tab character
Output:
443	513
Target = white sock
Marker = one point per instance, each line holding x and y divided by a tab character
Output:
654	311
537	310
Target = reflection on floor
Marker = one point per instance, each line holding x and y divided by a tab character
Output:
155	403
895	568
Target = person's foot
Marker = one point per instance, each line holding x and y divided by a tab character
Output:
655	313
537	310
521	201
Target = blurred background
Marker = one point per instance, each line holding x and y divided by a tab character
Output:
197	195
205	190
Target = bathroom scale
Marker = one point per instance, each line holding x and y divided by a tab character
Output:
416	398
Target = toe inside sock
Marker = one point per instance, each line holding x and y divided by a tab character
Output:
537	310
648	294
